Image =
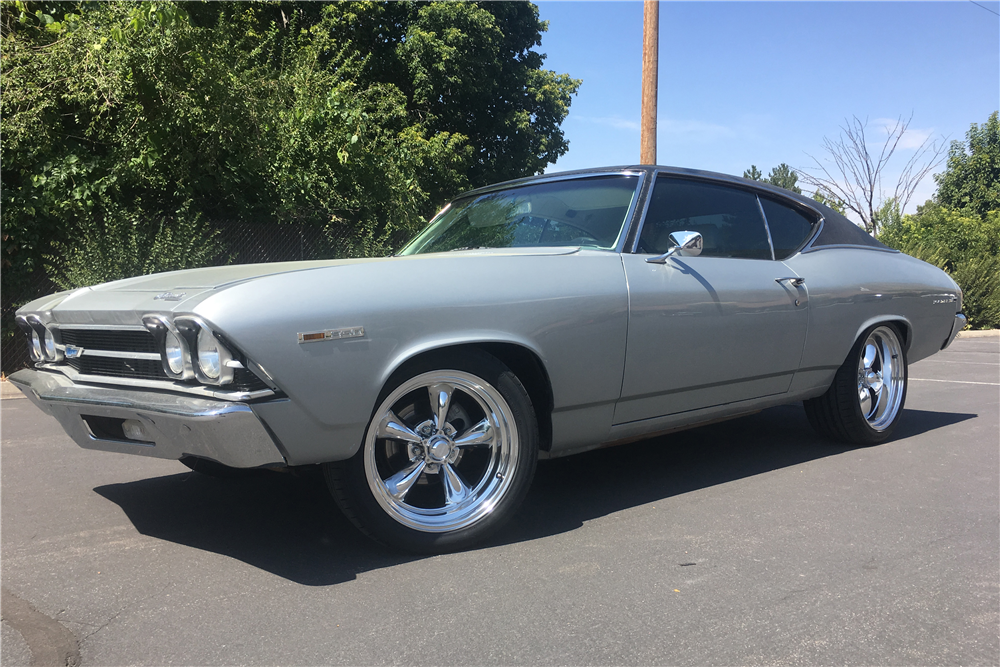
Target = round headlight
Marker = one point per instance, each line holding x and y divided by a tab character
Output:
50	345
209	357
36	345
175	353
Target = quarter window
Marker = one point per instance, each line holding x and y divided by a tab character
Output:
789	228
728	219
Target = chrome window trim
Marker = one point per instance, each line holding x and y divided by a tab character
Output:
532	180
767	227
167	385
848	246
445	209
819	230
645	210
811	247
809	244
697	179
627	221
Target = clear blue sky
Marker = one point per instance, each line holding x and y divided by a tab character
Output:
762	83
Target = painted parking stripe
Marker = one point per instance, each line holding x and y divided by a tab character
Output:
968	363
990	384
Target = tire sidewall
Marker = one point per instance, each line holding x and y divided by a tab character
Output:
373	518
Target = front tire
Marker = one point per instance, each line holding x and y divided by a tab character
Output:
448	455
865	401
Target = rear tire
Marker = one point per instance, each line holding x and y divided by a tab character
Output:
865	401
448	455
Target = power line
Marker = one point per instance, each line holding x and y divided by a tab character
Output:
986	8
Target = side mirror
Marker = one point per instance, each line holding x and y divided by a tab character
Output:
686	244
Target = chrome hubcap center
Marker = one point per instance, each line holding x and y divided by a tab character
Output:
439	448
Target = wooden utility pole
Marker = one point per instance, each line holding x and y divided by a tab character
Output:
650	53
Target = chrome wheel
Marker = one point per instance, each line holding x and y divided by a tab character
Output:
881	378
865	401
440	451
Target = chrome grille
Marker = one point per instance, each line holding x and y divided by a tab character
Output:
138	369
123	342
110	339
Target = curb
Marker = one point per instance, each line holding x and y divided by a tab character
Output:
979	333
9	390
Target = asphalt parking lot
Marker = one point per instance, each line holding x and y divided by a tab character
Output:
747	542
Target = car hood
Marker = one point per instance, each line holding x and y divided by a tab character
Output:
211	277
125	301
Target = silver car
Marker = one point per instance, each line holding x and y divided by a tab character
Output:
531	319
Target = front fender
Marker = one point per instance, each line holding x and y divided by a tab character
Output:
570	310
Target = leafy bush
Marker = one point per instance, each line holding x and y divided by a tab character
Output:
129	243
120	120
979	278
965	245
971	179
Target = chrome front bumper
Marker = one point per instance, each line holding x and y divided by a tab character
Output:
172	425
960	322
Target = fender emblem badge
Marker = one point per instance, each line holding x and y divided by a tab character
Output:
331	334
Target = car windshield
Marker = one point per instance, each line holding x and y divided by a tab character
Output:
587	212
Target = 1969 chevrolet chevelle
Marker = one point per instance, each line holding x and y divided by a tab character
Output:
535	318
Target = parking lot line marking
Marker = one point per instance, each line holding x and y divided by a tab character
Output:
971	363
990	384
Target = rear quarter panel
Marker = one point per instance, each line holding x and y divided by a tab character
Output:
851	289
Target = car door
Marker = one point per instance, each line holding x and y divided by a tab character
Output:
725	326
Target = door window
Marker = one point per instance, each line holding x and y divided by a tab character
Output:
728	219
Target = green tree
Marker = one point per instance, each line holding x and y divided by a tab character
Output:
468	71
888	214
965	245
132	127
784	176
959	230
971	179
781	176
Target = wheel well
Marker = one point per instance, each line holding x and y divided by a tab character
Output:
903	328
528	368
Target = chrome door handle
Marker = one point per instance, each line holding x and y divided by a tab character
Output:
797	282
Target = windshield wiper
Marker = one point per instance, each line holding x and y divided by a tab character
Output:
471	247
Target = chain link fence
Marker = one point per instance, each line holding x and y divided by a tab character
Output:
242	243
14	349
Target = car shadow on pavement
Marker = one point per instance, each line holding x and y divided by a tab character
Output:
567	492
288	524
